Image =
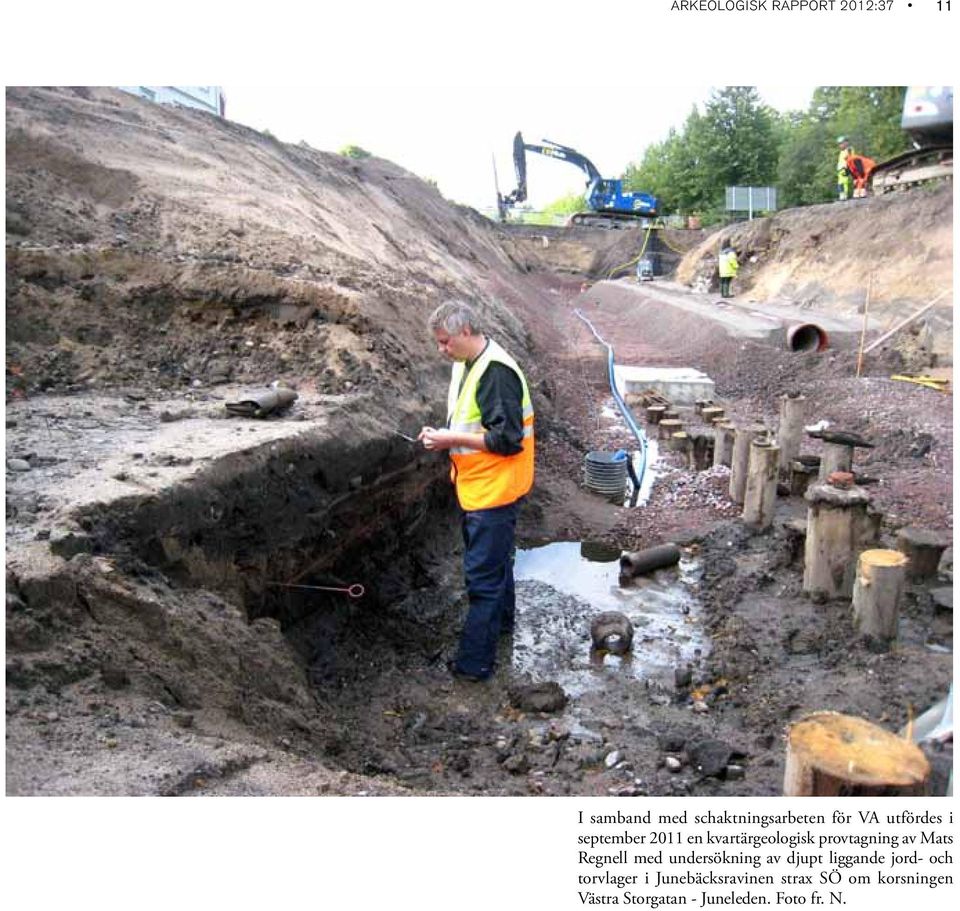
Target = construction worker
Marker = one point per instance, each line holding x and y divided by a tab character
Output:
489	437
729	266
844	180
860	167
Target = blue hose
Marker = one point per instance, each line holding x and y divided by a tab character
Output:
621	404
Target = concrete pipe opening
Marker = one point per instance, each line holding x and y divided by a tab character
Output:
806	337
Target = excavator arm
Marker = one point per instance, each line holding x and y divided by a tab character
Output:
551	150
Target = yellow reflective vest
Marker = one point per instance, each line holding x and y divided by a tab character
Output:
728	264
485	480
842	159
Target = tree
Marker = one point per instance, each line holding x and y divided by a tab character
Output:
739	141
806	170
868	115
738	144
566	205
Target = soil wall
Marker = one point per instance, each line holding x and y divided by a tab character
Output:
900	245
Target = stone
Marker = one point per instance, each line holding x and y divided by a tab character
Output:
517	764
612	759
18	465
66	544
674	739
538	697
943	597
673	764
709	757
734	772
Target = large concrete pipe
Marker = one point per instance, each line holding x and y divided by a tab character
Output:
806	337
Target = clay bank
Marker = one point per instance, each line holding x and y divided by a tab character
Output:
230	569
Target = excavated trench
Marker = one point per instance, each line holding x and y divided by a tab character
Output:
155	641
241	574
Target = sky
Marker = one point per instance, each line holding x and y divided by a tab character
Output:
452	135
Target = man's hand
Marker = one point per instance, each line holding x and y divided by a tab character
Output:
434	439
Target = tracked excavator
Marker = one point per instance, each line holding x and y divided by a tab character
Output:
609	205
928	118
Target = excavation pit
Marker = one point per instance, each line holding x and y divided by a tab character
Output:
159	264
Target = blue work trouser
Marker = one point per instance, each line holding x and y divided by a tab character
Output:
488	542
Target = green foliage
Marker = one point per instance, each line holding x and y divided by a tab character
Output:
739	141
868	115
733	142
352	151
555	213
566	205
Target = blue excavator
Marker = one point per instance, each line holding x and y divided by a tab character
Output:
928	119
608	203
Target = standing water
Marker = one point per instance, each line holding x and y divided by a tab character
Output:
561	587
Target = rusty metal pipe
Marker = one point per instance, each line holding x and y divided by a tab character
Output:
638	562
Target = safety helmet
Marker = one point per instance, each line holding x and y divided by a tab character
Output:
842	139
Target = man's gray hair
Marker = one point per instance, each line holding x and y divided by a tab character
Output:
453	317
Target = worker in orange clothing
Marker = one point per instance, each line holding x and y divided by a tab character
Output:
860	168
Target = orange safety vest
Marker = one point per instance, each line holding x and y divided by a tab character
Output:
860	168
485	480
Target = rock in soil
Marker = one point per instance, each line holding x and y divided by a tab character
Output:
538	697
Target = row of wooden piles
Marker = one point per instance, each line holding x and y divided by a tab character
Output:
828	753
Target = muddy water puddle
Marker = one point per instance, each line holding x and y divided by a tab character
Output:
562	586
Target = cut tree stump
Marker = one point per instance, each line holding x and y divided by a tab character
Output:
760	493
743	437
654	413
790	432
701	450
723	443
800	477
877	592
669	426
834	755
835	522
923	549
836	457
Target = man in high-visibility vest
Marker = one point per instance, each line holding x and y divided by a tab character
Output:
728	265
489	437
844	179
